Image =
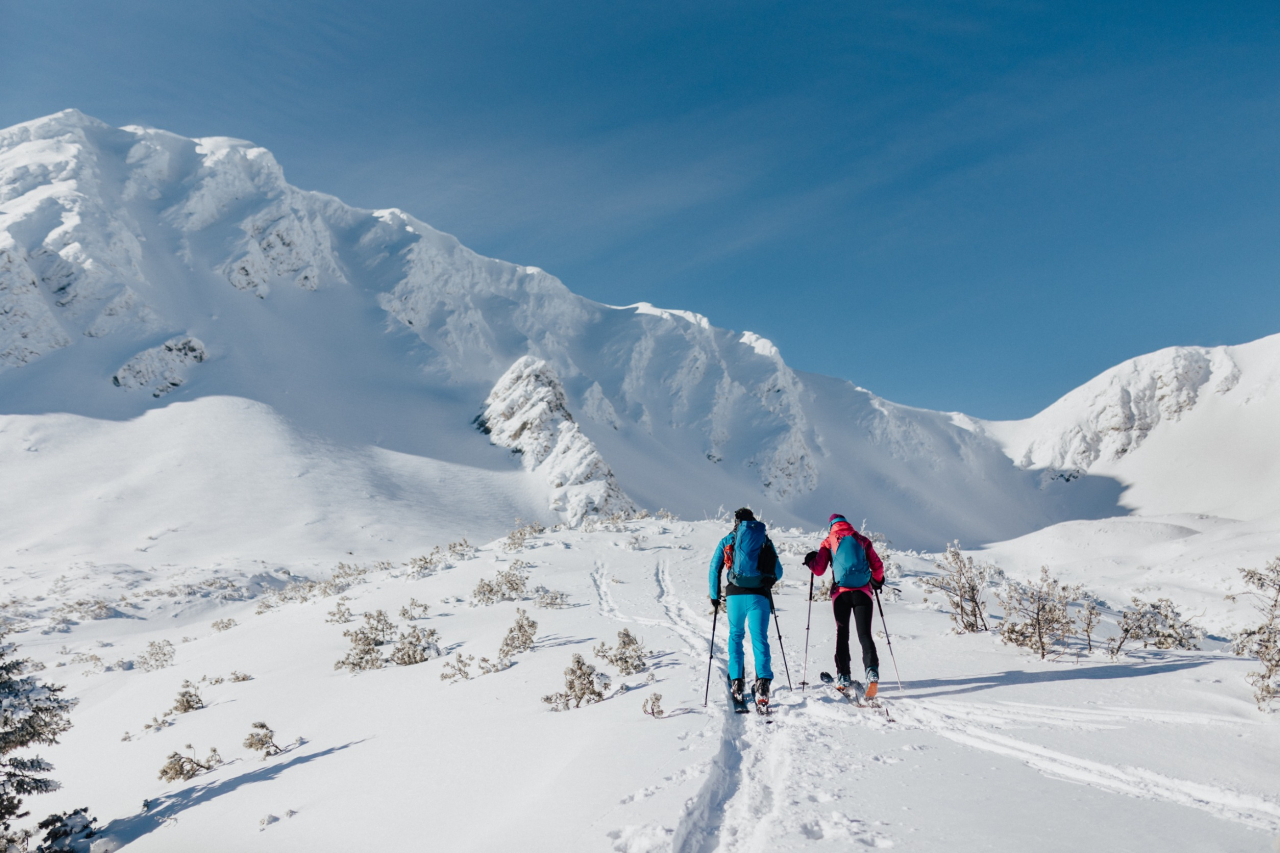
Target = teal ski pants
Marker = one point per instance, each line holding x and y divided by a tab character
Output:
748	611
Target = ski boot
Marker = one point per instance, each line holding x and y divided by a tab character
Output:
738	688
844	682
762	694
873	680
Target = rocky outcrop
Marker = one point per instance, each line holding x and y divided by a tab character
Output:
527	413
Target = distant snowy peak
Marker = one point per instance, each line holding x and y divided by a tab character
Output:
526	412
1112	415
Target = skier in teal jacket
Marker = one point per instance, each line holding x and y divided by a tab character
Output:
753	567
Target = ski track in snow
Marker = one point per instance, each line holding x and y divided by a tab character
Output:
954	722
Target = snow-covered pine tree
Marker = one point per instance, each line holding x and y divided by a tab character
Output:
1263	641
30	713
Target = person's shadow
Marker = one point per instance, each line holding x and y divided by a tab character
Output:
126	830
934	687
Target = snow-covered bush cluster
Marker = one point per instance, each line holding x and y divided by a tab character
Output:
582	683
1263	641
367	642
158	655
628	656
221	625
510	584
653	705
340	614
517	538
189	699
67	831
1156	624
549	599
344	577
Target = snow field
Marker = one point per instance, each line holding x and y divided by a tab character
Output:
990	747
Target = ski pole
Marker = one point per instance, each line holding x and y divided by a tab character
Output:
711	654
886	637
781	647
804	674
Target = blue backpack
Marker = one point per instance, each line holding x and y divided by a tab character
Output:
849	565
747	567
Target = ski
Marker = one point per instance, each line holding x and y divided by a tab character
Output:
856	696
739	705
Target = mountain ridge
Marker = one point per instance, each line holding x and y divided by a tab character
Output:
370	328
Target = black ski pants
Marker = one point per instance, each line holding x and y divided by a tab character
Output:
855	603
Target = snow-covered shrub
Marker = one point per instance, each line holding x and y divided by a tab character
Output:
189	699
427	564
822	588
458	668
87	609
1155	624
519	636
509	585
963	583
340	614
415	609
363	654
664	515
636	542
1263	641
582	683
240	676
30	713
262	739
67	831
158	655
1037	616
627	656
416	646
158	723
221	625
488	667
516	538
462	550
382	629
180	768
653	705
549	598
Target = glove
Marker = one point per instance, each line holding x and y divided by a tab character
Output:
809	558
877	585
715	603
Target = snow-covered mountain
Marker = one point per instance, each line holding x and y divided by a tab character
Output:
1186	429
139	269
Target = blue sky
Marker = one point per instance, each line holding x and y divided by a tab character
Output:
971	206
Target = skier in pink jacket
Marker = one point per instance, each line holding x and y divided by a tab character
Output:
856	571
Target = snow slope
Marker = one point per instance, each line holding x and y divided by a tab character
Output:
139	268
988	748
